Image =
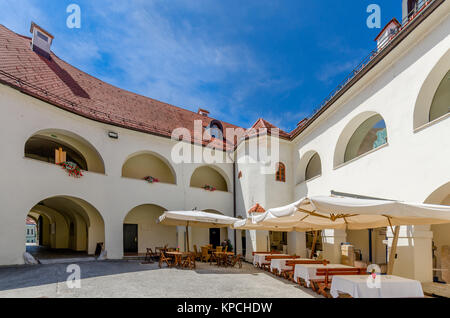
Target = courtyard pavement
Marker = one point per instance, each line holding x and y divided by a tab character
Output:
125	279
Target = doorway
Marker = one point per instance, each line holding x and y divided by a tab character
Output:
214	237
244	243
130	238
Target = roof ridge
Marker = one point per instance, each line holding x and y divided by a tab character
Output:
114	86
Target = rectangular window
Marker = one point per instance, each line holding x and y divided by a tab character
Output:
42	36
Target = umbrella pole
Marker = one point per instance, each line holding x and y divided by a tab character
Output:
187	236
393	252
313	247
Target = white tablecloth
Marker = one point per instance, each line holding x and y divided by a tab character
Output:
258	259
308	271
280	264
388	287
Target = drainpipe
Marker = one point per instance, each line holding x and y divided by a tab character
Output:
234	203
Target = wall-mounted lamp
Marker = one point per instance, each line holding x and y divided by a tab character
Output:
113	135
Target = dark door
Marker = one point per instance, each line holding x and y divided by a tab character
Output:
40	232
214	237
244	245
130	238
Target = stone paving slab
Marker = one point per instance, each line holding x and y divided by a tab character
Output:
133	279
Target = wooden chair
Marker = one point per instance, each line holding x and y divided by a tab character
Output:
214	258
219	249
189	261
205	255
150	256
164	259
233	260
198	255
321	286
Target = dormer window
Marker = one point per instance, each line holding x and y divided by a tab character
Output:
215	130
42	36
412	7
42	41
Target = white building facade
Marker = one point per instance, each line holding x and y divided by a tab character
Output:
384	135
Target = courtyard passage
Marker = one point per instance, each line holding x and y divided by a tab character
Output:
132	279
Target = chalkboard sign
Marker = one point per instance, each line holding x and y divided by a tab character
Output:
98	249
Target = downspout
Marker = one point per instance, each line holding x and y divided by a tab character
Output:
234	203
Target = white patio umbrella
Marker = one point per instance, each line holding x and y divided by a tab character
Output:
195	219
331	212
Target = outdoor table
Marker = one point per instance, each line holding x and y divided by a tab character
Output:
308	271
389	287
280	264
259	259
177	257
222	257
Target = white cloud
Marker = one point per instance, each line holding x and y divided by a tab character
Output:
143	48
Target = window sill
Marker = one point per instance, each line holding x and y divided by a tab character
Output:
142	180
431	123
361	156
309	180
55	165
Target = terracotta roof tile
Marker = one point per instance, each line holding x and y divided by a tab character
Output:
257	208
65	86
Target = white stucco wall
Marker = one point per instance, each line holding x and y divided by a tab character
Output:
414	162
410	167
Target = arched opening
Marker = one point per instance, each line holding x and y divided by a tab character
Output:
366	132
64	227
314	167
441	237
433	100
140	230
208	177
46	145
309	167
441	100
148	164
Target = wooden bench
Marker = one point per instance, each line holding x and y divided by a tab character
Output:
270	258
321	286
273	252
265	266
289	273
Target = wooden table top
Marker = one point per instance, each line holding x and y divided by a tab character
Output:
176	253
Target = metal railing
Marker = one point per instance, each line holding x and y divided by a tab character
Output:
420	7
86	111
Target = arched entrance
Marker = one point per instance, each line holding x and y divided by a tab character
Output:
441	237
140	230
65	227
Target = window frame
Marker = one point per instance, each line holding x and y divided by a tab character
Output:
280	175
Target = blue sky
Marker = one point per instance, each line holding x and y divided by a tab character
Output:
241	60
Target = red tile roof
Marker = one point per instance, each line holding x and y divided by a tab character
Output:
257	208
30	221
65	86
264	124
